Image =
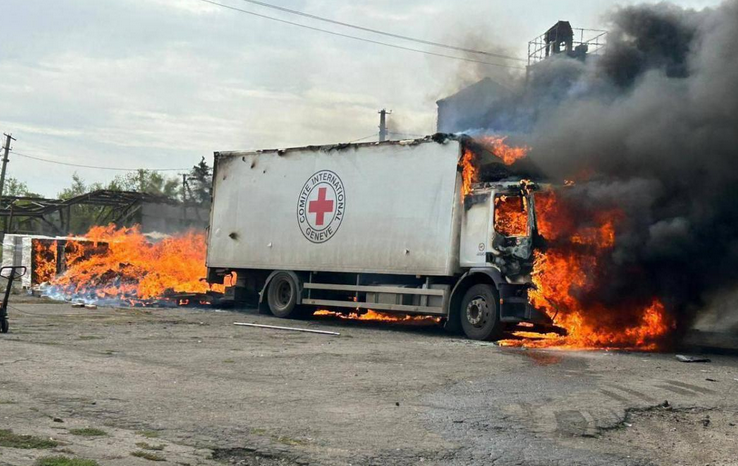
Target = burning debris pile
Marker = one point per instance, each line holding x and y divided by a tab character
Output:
648	234
131	270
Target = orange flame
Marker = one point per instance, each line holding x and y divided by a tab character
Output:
511	215
571	268
508	154
44	260
131	268
375	316
468	171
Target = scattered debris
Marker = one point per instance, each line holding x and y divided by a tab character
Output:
90	306
710	380
291	329
78	305
706	421
683	358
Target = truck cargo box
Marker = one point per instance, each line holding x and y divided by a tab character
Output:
391	208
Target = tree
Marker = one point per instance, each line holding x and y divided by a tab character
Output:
14	187
200	182
82	216
146	181
78	187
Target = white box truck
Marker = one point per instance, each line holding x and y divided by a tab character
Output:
385	226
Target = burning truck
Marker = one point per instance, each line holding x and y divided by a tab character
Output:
396	227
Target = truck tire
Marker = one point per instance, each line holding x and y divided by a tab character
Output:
282	296
479	313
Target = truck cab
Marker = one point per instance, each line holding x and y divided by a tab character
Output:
498	232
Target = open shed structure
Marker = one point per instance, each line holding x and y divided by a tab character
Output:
55	217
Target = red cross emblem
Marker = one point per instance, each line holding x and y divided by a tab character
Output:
320	207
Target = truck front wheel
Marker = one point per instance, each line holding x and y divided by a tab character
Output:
479	313
282	295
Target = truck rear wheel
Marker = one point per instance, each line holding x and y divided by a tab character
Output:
282	296
479	313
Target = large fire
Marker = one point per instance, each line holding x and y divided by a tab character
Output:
570	270
128	268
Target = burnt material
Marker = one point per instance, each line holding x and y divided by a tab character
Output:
560	35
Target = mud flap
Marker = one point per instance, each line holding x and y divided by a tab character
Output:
515	308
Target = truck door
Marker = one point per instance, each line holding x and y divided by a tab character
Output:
513	221
475	227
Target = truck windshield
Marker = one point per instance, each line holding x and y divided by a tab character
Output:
511	215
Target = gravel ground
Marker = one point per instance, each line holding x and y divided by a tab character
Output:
206	392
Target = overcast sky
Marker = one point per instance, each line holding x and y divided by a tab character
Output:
160	83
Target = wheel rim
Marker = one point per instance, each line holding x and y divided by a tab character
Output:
283	294
477	312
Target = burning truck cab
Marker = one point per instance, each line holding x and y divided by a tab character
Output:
440	226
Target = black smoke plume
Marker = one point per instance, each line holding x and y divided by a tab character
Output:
653	122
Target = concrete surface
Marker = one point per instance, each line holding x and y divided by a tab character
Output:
384	394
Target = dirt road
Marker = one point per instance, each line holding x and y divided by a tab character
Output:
188	387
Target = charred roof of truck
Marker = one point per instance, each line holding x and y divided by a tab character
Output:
439	138
492	169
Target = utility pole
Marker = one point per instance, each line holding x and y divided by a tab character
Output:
6	152
8	138
184	198
383	124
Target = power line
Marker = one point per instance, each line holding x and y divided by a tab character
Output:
384	33
364	138
292	23
97	167
408	134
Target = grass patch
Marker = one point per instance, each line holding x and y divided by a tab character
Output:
88	432
290	441
278	438
148	456
7	402
148	433
89	337
64	461
27	442
148	446
229	361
